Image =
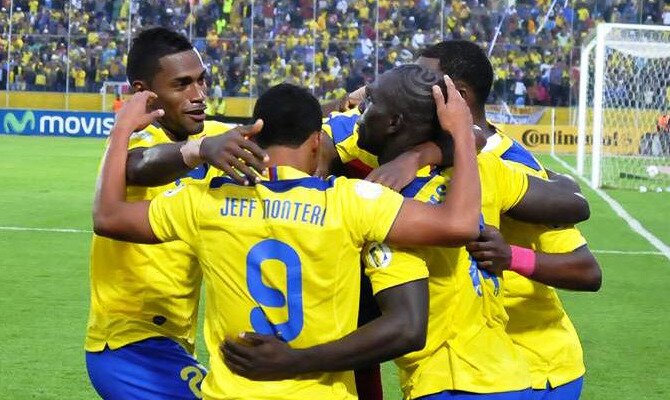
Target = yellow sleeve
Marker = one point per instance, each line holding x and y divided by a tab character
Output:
388	266
512	184
143	138
343	130
369	208
173	214
562	240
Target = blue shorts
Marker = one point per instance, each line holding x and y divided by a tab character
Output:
569	391
157	368
526	394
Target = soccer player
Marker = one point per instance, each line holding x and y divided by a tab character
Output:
281	257
552	257
467	348
144	299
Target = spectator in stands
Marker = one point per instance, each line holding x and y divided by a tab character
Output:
347	40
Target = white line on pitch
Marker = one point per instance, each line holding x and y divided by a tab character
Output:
625	252
28	229
634	224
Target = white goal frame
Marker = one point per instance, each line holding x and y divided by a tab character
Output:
118	85
599	43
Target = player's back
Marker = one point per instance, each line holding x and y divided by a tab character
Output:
467	347
280	258
141	291
538	323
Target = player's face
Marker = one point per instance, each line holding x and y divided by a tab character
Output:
181	89
374	123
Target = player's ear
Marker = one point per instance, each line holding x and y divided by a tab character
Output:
139	86
395	123
315	141
466	92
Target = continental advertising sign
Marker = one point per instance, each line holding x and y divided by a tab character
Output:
55	123
537	138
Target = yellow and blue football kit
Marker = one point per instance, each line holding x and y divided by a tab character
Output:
467	348
538	325
280	258
481	358
140	294
342	127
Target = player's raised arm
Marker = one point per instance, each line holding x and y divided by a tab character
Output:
455	221
112	216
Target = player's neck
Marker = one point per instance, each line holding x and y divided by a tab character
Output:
290	157
479	119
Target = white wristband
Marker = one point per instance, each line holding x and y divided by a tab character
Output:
190	152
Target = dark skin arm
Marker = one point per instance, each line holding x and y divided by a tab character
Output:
112	216
400	330
164	163
551	202
576	270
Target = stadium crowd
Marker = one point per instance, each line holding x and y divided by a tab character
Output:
331	49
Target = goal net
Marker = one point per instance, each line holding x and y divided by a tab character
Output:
109	90
624	137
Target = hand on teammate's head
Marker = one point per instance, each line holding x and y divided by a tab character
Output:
454	115
136	113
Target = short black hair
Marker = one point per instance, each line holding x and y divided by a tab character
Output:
411	93
147	49
464	61
290	115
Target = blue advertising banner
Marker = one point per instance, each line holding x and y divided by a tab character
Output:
55	123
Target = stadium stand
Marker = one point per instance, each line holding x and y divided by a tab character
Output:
329	46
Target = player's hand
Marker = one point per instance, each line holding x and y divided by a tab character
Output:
259	357
491	251
136	113
397	173
454	115
353	99
236	155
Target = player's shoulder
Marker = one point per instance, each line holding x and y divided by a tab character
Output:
351	189
341	125
212	128
514	154
150	136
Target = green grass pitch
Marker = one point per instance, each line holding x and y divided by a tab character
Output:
48	183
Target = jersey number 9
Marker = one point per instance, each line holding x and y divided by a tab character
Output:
271	249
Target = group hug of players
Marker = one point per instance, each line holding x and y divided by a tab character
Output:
460	232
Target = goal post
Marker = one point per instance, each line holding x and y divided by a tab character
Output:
111	89
624	92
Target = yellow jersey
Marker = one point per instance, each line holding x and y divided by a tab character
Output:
141	291
342	127
538	324
281	258
467	348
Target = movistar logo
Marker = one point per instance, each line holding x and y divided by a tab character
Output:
18	125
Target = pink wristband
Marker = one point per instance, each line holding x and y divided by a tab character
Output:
523	261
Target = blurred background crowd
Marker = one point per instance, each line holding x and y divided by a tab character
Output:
329	46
